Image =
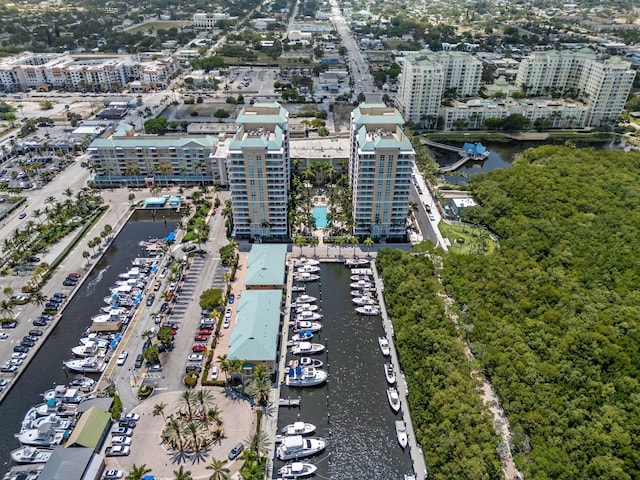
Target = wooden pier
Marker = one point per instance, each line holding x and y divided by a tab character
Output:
465	155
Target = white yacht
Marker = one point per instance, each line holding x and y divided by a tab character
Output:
298	428
86	365
298	446
356	262
363	293
356	278
89	349
308	316
308	269
306	362
363	300
384	346
401	433
301	262
93	337
394	399
302	336
297	470
31	455
306	307
305	325
304	298
305	377
45	435
362	284
307	348
369	310
65	394
306	277
389	373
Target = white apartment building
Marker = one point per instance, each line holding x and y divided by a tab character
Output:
85	72
471	115
209	20
427	76
380	165
122	158
258	168
603	85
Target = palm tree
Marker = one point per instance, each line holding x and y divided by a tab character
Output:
353	241
173	434
38	298
340	241
186	400
6	309
300	241
258	443
180	474
147	335
368	242
158	409
220	472
138	473
314	241
205	399
224	366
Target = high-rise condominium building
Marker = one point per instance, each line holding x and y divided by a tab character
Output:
428	76
603	85
258	167
380	164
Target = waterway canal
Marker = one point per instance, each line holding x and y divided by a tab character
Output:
351	411
46	368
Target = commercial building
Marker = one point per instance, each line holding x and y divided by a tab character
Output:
266	270
428	76
85	72
209	20
380	164
603	85
258	168
122	158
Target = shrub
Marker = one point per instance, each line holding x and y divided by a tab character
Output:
116	408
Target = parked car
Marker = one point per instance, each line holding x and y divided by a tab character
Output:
226	323
139	359
120	440
27	343
205	331
164	307
150	299
4	336
9	324
36	332
195	357
8	368
74	275
46	316
18	355
60	295
51	306
214	373
232	298
227	313
200	338
21	349
207	325
22	215
39	322
127	432
192	367
118	451
126	423
156	367
196	348
70	282
112	475
131	416
122	358
34	259
236	451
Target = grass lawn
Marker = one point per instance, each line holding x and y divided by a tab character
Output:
166	25
208	109
470	237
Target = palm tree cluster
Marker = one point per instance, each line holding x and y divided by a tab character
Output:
50	224
340	214
194	428
300	206
229	366
259	387
255	456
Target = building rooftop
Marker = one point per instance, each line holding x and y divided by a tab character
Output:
67	464
255	336
90	428
266	266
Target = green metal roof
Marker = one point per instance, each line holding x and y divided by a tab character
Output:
266	265
90	428
255	335
363	115
153	141
246	115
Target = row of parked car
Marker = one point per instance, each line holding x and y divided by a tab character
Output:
121	436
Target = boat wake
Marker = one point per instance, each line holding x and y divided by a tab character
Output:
91	286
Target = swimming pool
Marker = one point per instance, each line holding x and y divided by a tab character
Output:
320	215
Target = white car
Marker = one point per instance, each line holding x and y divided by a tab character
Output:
112	474
120	440
131	416
214	373
227	313
19	355
4	336
226	323
122	358
196	357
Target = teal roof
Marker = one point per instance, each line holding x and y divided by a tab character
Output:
265	141
152	141
255	335
365	113
277	114
266	265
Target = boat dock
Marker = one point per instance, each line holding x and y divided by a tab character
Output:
468	152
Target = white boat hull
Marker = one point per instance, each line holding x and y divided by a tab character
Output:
298	428
305	299
305	377
31	455
389	373
401	433
307	348
307	326
368	310
297	470
299	447
394	399
384	346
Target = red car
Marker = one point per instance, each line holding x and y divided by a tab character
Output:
200	338
74	275
205	331
198	348
174	332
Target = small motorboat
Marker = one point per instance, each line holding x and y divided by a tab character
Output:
306	377
410	476
304	298
356	262
362	284
297	470
306	307
297	446
394	399
389	373
301	262
308	269
364	300
369	310
31	455
306	362
307	326
307	348
46	435
308	316
356	278
89	349
401	433
302	336
86	365
298	288
306	277
363	293
384	346
298	428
